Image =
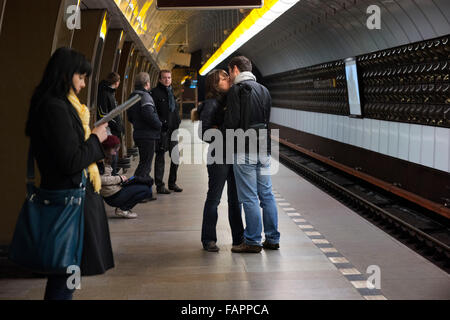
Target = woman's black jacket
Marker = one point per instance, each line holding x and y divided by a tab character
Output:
211	114
57	140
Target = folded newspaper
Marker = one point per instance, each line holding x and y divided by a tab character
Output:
116	111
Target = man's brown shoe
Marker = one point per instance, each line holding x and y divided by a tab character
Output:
271	246
246	248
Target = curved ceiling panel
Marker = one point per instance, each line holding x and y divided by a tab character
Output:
311	32
316	31
164	32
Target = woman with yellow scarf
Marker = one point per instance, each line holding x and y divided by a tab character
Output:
64	146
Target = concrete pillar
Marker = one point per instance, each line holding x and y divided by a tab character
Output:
132	68
63	35
155	77
110	52
141	64
131	72
2	11
87	41
124	61
145	65
152	75
125	58
24	55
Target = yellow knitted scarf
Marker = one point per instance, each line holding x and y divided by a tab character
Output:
83	113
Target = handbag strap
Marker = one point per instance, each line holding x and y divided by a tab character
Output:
83	179
30	171
31	177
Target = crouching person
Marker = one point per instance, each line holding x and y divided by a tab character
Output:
119	191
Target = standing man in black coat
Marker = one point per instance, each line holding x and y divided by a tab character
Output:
169	114
248	109
106	102
146	124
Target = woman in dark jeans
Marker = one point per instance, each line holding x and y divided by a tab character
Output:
64	146
116	194
211	114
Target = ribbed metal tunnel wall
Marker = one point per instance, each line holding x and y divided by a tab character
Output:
318	31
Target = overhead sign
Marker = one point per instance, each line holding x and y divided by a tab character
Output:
208	4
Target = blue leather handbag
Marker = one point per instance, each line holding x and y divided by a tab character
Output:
48	236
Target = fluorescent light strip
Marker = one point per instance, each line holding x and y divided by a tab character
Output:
256	21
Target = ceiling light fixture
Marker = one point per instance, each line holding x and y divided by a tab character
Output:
256	21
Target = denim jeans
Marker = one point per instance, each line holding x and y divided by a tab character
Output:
218	174
254	187
129	196
57	289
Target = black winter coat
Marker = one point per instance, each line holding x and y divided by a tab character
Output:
248	106
238	116
57	140
211	114
171	120
106	102
143	116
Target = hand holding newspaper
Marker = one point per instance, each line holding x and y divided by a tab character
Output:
116	111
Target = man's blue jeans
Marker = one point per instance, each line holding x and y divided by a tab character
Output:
254	186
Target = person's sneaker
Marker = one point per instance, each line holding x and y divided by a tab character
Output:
162	190
175	188
211	247
153	198
127	214
271	246
246	248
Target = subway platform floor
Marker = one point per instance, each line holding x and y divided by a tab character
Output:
325	252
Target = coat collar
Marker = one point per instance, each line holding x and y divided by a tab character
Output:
244	76
163	87
105	86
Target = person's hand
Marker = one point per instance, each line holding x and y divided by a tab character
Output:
124	178
101	132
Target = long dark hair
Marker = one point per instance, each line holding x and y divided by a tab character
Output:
212	84
57	79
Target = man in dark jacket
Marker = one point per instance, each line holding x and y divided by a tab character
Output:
106	102
248	108
146	124
169	114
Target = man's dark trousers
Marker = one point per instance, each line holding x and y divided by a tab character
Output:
146	150
160	163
